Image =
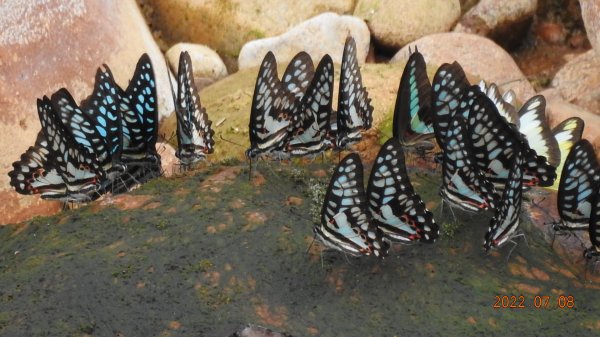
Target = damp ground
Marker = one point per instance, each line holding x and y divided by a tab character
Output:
202	253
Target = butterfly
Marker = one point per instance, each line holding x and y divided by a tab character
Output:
345	222
298	74
594	229
35	174
394	206
449	84
77	167
194	132
355	112
493	140
579	182
567	133
271	112
413	120
311	118
463	182
505	221
139	111
530	120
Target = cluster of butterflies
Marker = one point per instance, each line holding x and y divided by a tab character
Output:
107	143
490	152
293	116
104	144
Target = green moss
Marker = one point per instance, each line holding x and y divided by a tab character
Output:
212	296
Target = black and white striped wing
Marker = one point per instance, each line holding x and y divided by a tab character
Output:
579	182
139	108
463	182
393	204
594	228
312	116
505	108
34	174
298	74
77	167
355	112
271	111
493	140
194	132
534	125
448	85
345	224
567	133
505	221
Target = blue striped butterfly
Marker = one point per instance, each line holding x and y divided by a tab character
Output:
567	133
345	222
354	110
449	84
271	112
593	252
194	132
394	206
310	125
36	174
77	167
530	120
579	182
493	140
413	120
96	125
139	111
505	221
298	74
463	183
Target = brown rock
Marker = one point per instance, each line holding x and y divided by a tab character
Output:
590	13
418	18
46	45
578	81
202	21
505	22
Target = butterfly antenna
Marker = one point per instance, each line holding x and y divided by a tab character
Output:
311	243
171	84
229	141
515	244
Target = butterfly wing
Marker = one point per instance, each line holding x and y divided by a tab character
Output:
194	132
393	204
77	167
534	125
493	140
579	182
271	111
355	112
313	115
505	221
34	174
594	227
448	85
412	112
345	225
139	111
298	74
463	183
505	108
567	133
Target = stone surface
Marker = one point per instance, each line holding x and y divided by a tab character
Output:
503	21
479	56
323	34
578	81
49	44
394	23
226	26
207	64
590	12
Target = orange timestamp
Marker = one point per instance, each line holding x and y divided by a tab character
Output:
537	302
